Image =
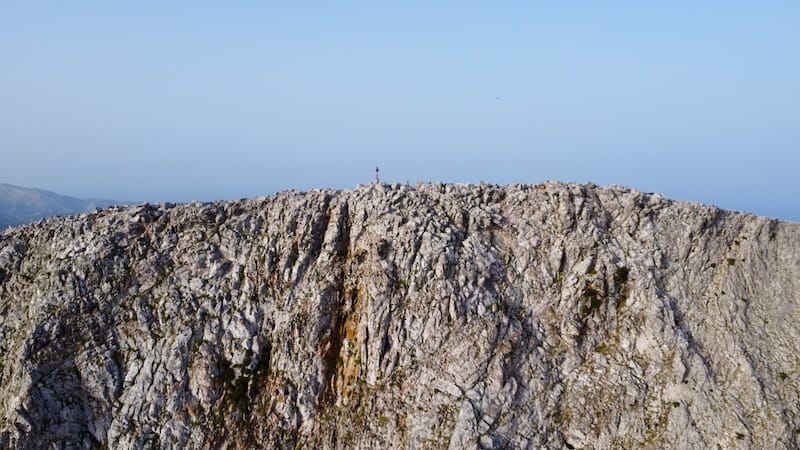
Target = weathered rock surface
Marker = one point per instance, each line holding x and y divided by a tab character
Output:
436	316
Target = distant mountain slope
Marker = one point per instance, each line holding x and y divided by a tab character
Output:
19	205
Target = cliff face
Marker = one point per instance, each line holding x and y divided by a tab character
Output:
556	316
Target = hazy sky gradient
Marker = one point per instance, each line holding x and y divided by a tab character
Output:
214	100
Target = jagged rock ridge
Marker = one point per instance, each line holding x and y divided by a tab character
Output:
436	316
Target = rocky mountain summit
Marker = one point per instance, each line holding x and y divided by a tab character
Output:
390	316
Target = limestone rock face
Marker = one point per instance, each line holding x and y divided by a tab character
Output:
389	316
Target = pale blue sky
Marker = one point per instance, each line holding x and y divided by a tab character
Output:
214	100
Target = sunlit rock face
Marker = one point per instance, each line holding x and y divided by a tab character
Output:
390	316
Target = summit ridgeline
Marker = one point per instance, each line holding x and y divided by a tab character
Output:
391	316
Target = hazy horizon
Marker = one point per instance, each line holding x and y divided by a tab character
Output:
157	102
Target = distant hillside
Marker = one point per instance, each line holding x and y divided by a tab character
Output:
19	205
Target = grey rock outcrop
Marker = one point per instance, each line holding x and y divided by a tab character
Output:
389	316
